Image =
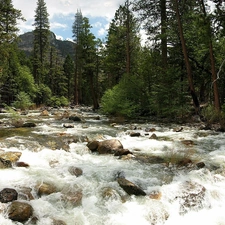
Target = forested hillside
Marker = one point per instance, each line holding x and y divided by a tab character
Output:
177	73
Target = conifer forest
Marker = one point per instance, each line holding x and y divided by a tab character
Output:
177	72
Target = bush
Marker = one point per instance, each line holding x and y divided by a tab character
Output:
23	101
211	115
58	101
115	101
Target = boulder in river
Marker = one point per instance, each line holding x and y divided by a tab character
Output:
109	146
75	171
20	211
44	113
72	195
29	124
68	125
93	145
192	196
4	164
11	156
8	195
46	189
75	118
58	222
129	187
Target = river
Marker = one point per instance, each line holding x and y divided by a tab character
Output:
185	194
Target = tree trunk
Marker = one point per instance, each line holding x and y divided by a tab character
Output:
128	39
163	33
212	59
186	59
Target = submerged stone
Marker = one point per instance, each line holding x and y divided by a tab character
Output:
8	195
19	211
129	187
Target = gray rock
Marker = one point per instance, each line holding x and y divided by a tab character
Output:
129	187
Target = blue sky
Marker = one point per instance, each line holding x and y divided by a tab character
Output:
62	12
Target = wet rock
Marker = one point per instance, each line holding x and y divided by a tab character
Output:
109	146
58	222
200	165
153	136
75	171
21	164
155	195
75	118
25	193
68	125
149	158
44	113
8	195
178	129
4	164
17	123
11	156
157	213
93	145
46	189
30	124
127	157
72	197
192	196
150	129
188	142
184	162
135	134
129	187
123	152
109	193
19	211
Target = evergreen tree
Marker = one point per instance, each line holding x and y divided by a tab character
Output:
68	68
8	21
77	30
88	44
9	63
41	41
122	45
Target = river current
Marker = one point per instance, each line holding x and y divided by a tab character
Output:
184	194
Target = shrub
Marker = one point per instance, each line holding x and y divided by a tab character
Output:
116	102
58	101
23	101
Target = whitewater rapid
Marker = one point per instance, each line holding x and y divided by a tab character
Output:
175	185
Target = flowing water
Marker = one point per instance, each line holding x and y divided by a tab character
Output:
184	194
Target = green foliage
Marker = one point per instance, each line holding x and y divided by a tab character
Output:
58	101
9	17
43	94
22	101
25	81
211	115
123	99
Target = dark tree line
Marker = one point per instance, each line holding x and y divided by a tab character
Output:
174	74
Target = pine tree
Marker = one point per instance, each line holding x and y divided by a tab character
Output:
122	45
77	30
9	63
68	68
41	41
8	21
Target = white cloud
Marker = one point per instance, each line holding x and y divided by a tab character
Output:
65	10
58	25
102	31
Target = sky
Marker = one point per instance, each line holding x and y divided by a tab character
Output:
62	15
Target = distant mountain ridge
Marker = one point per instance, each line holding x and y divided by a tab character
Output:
64	47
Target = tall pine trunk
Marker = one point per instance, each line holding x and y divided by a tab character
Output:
186	59
212	59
